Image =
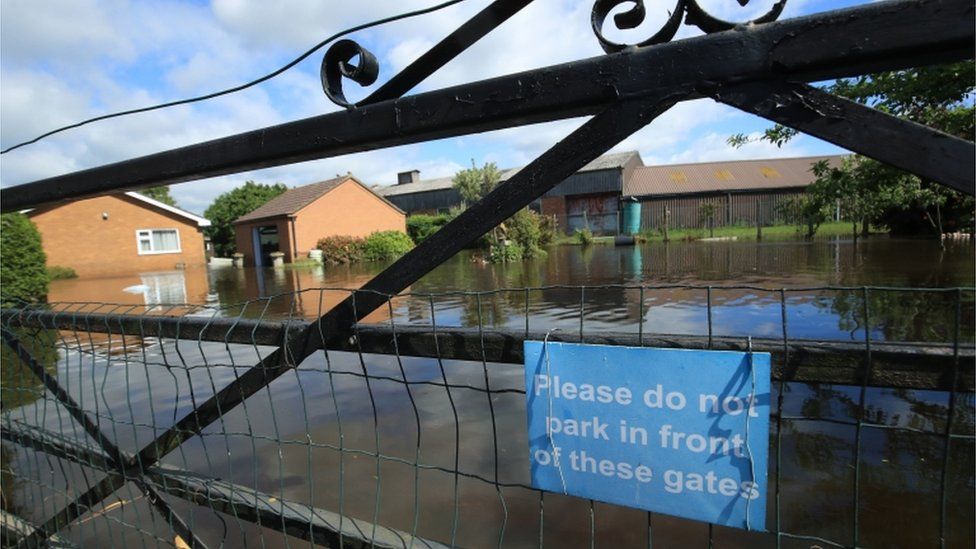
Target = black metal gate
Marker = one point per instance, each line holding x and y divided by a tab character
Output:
760	67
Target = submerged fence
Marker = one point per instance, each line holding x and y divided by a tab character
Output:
411	433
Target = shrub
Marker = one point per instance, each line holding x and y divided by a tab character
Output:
386	245
505	252
525	229
547	229
21	260
57	272
341	249
584	236
421	226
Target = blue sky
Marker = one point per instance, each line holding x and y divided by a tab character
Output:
61	62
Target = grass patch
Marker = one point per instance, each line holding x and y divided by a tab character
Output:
303	264
573	240
775	232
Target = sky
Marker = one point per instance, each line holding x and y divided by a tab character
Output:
64	61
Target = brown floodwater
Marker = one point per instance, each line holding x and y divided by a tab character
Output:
314	435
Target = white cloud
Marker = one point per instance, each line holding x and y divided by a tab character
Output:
63	32
714	146
65	61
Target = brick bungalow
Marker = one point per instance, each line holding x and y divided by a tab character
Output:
294	221
120	234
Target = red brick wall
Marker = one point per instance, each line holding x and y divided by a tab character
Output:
243	238
75	235
349	209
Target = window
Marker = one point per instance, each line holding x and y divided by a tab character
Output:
158	241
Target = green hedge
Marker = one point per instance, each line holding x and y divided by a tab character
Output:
386	245
375	247
421	226
22	259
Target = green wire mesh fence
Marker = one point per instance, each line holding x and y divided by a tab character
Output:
412	431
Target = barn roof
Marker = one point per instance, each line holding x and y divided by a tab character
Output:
293	200
605	162
728	176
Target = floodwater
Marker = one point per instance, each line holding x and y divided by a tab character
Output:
745	299
314	435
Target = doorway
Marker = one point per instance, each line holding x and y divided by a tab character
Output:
265	240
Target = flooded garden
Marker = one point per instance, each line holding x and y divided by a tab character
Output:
438	447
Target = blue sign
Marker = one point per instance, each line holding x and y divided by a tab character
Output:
673	431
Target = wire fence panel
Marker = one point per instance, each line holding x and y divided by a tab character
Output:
412	432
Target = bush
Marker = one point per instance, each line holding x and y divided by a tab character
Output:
421	226
341	249
22	260
584	236
525	229
547	229
505	252
57	272
386	245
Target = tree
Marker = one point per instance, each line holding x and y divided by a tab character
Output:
22	260
806	210
233	204
160	193
857	186
706	212
474	183
940	97
519	237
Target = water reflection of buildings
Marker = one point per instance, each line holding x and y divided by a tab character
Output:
674	276
151	290
292	292
270	293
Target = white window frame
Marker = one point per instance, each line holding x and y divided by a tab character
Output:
143	234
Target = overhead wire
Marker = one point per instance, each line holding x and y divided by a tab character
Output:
252	83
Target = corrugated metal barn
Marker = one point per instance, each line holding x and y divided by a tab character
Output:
592	194
428	196
740	191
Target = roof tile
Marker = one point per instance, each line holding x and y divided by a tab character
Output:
292	200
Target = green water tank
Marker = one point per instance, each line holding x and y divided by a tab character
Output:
632	216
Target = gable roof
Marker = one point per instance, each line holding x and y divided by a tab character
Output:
200	221
736	175
293	200
605	162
